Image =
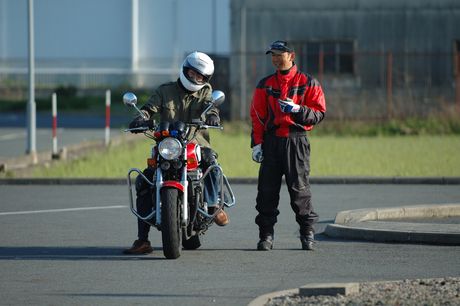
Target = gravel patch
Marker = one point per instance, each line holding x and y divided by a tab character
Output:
436	291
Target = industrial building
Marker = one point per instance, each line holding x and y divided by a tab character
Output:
374	58
92	44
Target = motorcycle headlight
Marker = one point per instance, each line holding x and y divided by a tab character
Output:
170	148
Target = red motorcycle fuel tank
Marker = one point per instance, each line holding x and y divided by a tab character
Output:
193	156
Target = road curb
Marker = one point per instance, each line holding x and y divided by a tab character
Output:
264	299
371	225
330	289
243	180
387	180
412	211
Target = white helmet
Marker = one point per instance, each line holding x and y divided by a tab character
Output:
200	63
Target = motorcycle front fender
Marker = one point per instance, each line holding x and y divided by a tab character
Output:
182	187
173	184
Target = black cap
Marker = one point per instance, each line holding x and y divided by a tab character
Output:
280	46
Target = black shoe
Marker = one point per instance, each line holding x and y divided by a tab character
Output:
307	241
139	247
265	244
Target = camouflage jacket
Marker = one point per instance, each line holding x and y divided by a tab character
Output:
171	102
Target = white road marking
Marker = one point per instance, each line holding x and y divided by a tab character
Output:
20	135
12	136
59	210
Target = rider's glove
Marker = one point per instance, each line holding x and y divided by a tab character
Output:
212	120
139	121
257	153
288	106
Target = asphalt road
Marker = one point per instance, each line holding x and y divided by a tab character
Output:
73	128
13	141
61	245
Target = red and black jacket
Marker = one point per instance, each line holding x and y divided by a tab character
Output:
266	114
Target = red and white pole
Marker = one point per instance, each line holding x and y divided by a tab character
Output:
54	128
107	117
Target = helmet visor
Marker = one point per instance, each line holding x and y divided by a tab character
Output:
195	77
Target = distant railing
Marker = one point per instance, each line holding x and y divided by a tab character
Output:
374	85
85	78
371	85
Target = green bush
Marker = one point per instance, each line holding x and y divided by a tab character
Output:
444	122
66	91
432	125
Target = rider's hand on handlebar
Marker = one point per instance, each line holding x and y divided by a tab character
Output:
139	122
212	120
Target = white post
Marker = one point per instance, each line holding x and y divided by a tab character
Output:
31	112
54	131
107	117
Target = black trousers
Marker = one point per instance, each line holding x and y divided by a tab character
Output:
145	199
289	157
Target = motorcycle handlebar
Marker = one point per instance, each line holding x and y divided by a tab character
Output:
153	127
139	129
217	127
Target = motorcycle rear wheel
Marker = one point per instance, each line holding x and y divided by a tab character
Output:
192	243
171	233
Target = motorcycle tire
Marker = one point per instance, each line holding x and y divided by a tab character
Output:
170	223
192	243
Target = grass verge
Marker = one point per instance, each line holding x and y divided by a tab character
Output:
382	156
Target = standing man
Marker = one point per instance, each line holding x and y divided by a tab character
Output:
284	107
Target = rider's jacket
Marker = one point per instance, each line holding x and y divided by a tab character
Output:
266	114
172	102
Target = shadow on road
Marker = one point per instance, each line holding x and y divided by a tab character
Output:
71	253
86	253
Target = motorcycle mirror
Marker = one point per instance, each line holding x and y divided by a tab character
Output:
129	99
218	97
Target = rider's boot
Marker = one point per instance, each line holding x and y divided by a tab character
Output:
139	247
221	218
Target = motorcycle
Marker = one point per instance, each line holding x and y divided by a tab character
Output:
177	185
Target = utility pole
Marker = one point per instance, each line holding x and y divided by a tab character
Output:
214	26
135	35
31	107
243	68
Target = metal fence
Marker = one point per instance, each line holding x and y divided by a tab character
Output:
366	85
372	85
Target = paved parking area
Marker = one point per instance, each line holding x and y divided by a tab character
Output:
61	245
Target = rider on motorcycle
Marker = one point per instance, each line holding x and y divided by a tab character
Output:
182	100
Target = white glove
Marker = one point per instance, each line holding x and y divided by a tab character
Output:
288	106
257	153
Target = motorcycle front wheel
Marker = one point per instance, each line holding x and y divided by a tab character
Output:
170	222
